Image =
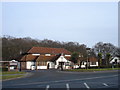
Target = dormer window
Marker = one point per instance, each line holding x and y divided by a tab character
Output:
68	55
35	54
47	54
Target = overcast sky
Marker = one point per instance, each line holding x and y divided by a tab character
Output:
82	22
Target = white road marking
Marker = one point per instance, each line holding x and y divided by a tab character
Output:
86	85
67	86
105	84
47	87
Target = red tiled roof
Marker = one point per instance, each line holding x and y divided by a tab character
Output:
93	59
29	57
68	58
47	58
45	50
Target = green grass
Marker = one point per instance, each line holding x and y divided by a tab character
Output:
10	77
92	70
12	72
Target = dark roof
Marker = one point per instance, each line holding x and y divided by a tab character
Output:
46	50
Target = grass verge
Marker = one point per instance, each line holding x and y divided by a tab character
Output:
10	77
92	70
12	72
8	74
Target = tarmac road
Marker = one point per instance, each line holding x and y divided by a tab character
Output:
47	79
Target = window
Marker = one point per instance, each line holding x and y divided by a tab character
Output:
68	55
47	54
93	63
35	54
42	63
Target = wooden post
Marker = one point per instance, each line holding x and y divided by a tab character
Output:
8	66
17	67
20	66
36	65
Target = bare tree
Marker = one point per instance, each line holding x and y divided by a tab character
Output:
106	49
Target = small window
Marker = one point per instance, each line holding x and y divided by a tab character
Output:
42	63
47	55
68	55
93	63
35	54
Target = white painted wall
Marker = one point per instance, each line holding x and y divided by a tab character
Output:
94	65
76	66
12	68
62	59
51	64
83	66
113	60
29	64
41	67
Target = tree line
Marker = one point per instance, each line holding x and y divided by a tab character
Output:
13	47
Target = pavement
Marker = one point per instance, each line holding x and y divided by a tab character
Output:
52	79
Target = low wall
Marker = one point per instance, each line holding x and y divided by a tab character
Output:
41	67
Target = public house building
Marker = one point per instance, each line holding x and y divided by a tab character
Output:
46	58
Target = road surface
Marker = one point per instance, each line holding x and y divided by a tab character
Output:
48	79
